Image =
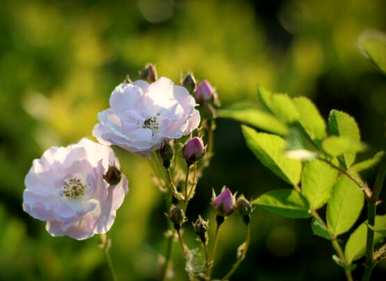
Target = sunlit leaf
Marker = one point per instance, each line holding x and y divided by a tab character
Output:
356	244
342	124
269	149
318	179
344	205
336	146
369	163
310	118
284	202
373	46
253	116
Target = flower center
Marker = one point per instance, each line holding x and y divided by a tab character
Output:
151	123
73	188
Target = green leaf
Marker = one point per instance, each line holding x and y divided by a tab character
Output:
369	163
284	108
310	118
284	202
336	146
344	205
269	149
264	97
318	179
342	124
299	144
319	230
356	244
373	45
253	116
281	105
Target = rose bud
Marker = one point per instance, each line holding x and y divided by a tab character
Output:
113	175
193	150
189	82
177	216
166	153
149	73
204	92
200	227
225	202
245	208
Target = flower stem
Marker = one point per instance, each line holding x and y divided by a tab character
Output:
371	213
169	252
106	244
210	261
182	243
186	198
241	257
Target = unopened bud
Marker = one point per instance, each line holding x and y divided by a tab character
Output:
200	227
189	82
245	208
166	153
149	73
204	92
113	175
225	202
193	150
177	216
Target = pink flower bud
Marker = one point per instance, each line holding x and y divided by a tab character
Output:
204	92
193	150
225	202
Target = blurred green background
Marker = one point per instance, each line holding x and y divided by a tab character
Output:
59	61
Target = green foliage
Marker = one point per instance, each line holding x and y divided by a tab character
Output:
318	179
319	230
373	46
336	146
284	202
369	163
344	206
269	150
342	124
310	118
356	244
253	116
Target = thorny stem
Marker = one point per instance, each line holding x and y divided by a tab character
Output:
105	244
371	212
241	257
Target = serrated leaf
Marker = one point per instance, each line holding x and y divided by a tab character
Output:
284	108
373	45
336	146
252	116
342	124
310	118
344	205
269	149
284	202
356	244
319	230
369	163
264	97
318	179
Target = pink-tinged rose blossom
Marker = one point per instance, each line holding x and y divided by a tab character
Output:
193	150
142	116
225	202
66	188
204	92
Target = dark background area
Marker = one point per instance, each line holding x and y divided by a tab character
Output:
59	61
